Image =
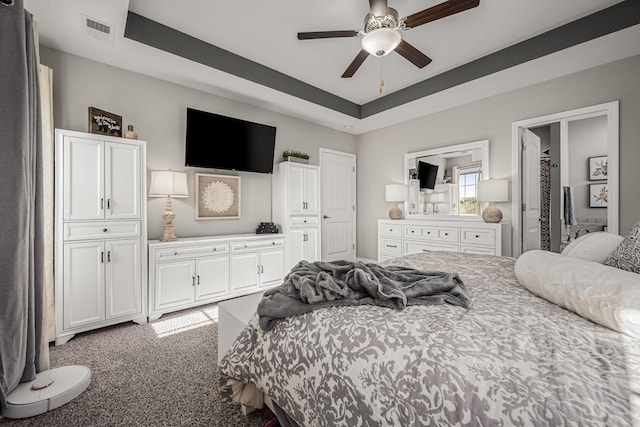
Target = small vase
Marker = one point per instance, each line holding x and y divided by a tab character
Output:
130	133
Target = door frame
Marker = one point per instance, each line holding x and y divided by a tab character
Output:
608	109
352	184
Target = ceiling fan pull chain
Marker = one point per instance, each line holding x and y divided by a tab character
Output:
381	77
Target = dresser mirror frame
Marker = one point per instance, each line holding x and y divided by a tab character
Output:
481	149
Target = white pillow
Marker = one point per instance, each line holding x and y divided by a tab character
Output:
605	295
594	247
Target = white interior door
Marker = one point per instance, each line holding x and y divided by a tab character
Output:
338	174
530	190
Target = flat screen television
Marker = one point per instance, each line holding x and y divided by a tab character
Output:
220	142
427	175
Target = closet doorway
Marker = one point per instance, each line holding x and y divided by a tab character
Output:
565	177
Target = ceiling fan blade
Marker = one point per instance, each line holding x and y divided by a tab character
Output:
355	64
327	34
378	7
412	54
439	11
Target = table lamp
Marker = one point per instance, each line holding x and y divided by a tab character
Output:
168	184
493	190
395	193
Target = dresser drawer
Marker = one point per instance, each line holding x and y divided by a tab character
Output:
391	230
168	254
478	236
101	230
448	234
303	221
259	244
481	250
414	247
391	247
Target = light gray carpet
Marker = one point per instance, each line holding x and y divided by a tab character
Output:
159	374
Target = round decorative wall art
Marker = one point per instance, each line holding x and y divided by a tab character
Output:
217	197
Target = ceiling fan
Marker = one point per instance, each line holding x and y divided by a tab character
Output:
381	33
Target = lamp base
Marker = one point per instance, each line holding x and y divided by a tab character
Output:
168	235
395	212
492	213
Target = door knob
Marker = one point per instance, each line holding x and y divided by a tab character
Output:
325	216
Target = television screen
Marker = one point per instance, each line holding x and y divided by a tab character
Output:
221	142
427	175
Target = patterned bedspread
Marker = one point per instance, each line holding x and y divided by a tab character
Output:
511	359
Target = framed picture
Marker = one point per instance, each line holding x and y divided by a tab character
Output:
217	196
104	123
598	168
598	195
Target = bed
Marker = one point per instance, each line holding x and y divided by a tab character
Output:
511	358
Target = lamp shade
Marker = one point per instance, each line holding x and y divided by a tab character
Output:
493	190
168	183
381	41
395	193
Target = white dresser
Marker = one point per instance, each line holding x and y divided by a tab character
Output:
100	238
199	270
296	208
404	237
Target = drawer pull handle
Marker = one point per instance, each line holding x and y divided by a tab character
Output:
425	250
101	256
392	246
104	230
108	256
198	279
193	281
477	235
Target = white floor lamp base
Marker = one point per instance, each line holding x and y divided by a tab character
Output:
36	397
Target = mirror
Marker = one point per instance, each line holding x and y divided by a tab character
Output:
443	182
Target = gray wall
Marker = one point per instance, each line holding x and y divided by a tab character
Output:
157	110
587	138
380	153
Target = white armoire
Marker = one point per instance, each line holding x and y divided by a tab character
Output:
100	232
296	209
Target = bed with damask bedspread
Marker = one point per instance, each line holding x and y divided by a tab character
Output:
511	358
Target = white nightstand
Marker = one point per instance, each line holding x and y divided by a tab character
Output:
233	316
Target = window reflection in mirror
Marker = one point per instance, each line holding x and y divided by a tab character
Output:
458	169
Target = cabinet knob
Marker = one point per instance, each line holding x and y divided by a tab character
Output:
104	230
305	221
215	249
273	243
175	253
413	231
446	234
477	236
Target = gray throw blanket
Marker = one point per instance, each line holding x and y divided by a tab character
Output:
310	286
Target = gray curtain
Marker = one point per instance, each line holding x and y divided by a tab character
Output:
23	347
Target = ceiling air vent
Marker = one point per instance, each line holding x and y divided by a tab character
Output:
96	29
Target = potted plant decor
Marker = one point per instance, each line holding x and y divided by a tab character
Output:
295	156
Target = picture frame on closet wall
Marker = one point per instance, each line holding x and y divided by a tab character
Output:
598	195
598	168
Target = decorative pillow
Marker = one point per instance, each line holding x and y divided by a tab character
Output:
605	295
594	247
627	255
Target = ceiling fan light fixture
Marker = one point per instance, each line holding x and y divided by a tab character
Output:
381	41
